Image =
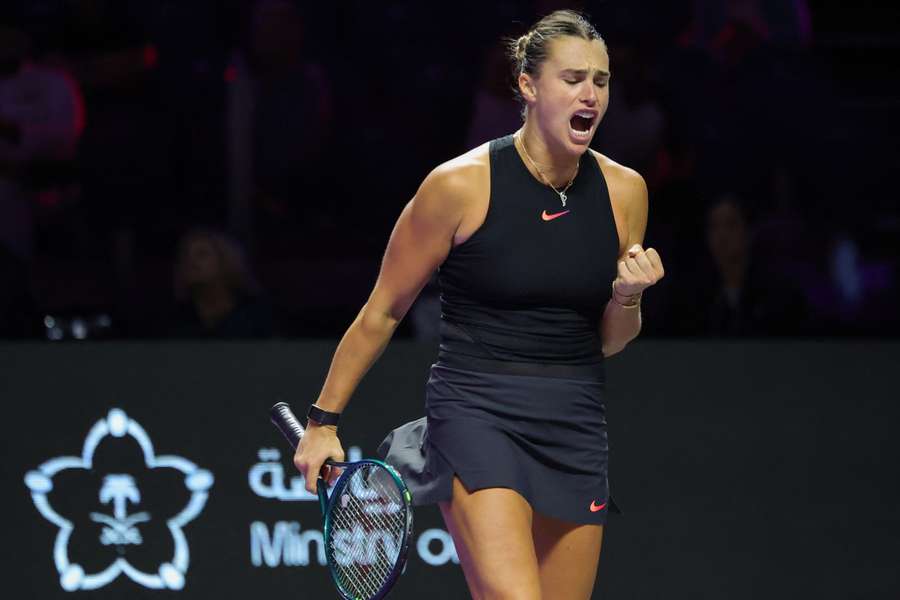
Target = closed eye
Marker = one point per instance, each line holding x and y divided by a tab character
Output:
598	83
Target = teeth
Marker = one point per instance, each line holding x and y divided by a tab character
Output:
586	114
580	134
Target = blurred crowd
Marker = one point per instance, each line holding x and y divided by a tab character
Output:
233	168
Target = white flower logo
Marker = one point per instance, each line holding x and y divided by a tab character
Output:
120	529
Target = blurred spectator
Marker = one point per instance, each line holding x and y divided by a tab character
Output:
737	296
631	132
122	159
40	120
706	95
495	112
217	294
783	22
730	52
279	117
856	290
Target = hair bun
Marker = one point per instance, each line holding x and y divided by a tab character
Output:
529	51
521	46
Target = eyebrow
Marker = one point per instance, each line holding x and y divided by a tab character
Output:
584	72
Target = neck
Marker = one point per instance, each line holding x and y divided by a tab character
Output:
733	272
212	302
556	166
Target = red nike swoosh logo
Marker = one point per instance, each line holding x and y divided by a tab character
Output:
595	508
548	217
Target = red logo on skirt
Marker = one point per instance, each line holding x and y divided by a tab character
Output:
595	508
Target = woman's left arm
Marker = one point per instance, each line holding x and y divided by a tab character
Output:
638	269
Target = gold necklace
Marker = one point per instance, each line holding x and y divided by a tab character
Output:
562	194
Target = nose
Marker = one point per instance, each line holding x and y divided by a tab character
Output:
589	95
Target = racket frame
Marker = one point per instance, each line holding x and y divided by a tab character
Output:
400	563
286	422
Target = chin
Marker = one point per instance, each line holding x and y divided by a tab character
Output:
577	147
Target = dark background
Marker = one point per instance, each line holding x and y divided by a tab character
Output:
766	131
746	470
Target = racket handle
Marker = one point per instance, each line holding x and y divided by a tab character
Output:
284	419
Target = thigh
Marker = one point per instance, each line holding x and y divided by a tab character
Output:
567	555
491	529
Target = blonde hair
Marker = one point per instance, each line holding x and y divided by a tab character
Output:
529	51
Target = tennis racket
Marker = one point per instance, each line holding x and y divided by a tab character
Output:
368	520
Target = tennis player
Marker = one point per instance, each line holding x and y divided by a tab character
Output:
538	241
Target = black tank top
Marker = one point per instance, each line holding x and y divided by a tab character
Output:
526	292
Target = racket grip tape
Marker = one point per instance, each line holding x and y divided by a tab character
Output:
284	419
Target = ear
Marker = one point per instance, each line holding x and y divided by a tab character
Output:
527	87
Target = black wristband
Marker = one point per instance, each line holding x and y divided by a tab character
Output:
322	417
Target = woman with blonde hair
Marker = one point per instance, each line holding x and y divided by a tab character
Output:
538	242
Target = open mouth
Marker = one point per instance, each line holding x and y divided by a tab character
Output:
581	123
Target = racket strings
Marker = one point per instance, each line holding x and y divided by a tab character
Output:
368	520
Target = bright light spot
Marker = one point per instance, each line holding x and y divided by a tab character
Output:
199	481
38	482
71	578
117	422
171	576
79	329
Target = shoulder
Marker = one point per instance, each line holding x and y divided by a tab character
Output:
454	185
628	197
625	184
460	174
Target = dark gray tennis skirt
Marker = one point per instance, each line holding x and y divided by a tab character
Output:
544	437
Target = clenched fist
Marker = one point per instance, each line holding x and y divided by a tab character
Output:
638	271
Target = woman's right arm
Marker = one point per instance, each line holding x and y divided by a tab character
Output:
419	243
